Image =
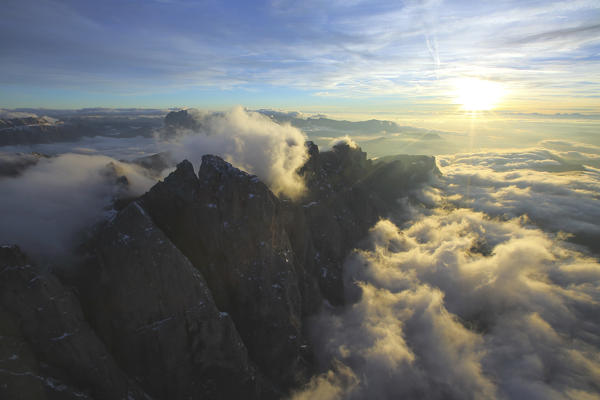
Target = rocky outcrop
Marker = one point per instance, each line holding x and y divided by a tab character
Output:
155	313
270	262
393	177
177	121
23	132
155	164
198	289
47	349
347	194
230	226
12	123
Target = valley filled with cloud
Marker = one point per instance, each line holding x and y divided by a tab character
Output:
319	199
461	304
484	282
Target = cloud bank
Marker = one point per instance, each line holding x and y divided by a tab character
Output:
556	189
460	306
343	140
250	141
478	296
45	208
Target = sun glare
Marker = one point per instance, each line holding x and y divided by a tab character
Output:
478	94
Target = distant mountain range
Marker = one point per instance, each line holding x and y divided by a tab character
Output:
328	125
377	137
71	126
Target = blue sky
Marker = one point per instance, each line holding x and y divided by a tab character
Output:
321	55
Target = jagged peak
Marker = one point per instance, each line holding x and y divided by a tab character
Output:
182	183
183	171
345	147
212	163
11	255
311	148
185	166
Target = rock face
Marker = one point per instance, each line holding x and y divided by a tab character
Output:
46	346
155	164
336	213
231	228
269	262
347	194
11	123
198	289
30	130
157	316
180	120
393	177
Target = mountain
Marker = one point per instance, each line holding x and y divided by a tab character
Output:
377	137
75	125
180	120
200	288
331	127
23	122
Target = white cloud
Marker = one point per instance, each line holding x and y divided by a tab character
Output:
347	140
44	209
118	148
556	192
250	141
439	319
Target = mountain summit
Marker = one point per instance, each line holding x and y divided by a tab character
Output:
200	288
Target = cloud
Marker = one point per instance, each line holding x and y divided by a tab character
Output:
332	385
354	49
556	190
118	148
343	140
249	141
554	35
44	209
461	306
48	203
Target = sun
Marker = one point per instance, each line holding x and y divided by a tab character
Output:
477	94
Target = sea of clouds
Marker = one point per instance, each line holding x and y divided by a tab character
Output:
461	306
559	190
490	290
479	295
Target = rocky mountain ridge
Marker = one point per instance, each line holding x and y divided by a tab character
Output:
201	288
73	127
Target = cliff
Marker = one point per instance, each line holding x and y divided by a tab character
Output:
201	288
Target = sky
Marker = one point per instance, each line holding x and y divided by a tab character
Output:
372	56
478	295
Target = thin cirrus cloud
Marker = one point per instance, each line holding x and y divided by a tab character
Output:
343	49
